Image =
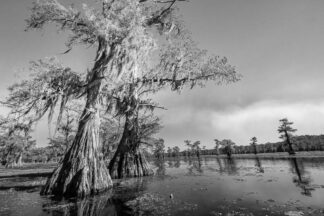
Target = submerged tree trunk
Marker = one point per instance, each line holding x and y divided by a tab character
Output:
129	160
82	170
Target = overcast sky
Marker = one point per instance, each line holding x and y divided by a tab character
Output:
276	45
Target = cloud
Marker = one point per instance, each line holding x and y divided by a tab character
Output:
259	119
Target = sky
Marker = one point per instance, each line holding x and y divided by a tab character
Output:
276	45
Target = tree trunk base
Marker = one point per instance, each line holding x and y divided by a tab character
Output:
78	177
129	164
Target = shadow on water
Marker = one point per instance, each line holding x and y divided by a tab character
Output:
302	178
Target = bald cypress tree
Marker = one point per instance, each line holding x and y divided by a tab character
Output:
286	132
217	144
139	45
118	30
228	146
15	141
253	144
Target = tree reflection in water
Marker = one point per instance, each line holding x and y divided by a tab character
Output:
220	165
160	164
258	165
108	203
301	179
94	206
206	161
177	162
230	166
170	164
194	167
227	166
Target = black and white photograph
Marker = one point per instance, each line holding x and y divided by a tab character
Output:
161	107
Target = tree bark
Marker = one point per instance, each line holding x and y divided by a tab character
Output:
128	160
82	171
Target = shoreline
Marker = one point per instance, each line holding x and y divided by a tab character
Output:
275	155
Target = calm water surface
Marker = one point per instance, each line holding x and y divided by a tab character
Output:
211	186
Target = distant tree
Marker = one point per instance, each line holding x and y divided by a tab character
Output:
193	148
158	149
38	155
204	150
15	141
196	148
228	147
254	144
176	151
286	131
169	151
189	147
217	144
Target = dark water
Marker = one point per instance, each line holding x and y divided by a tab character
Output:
211	186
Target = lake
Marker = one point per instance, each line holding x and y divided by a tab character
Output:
210	186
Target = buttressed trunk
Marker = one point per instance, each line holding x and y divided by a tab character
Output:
129	160
82	171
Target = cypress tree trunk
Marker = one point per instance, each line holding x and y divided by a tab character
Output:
255	149
217	151
291	150
18	162
229	155
82	170
128	160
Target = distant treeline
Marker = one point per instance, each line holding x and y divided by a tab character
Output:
300	143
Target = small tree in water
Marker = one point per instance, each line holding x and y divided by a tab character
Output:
196	148
217	144
159	149
176	151
193	148
254	144
169	151
286	131
189	146
228	145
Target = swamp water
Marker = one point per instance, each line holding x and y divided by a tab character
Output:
211	186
